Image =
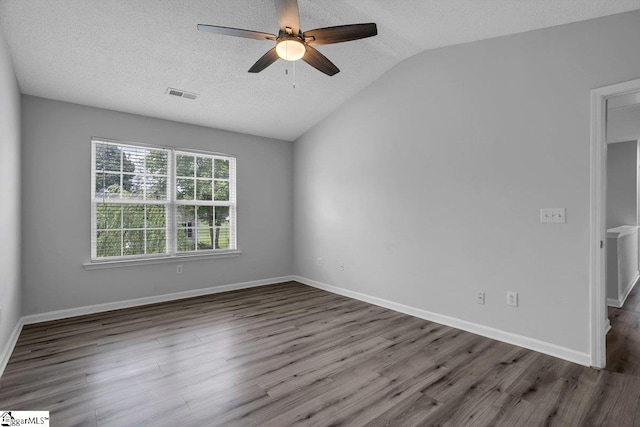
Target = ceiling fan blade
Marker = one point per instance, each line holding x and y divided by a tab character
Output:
288	15
319	62
236	32
341	33
266	60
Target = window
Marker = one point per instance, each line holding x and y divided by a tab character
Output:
160	202
204	194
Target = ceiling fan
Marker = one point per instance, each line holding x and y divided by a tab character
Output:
292	43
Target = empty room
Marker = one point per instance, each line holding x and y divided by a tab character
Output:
279	212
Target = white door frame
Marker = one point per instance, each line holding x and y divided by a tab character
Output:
598	232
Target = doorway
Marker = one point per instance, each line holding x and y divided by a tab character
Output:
598	302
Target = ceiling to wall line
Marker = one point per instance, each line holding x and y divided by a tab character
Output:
80	50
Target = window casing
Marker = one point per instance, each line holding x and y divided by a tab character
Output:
151	202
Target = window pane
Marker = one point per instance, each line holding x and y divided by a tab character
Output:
132	186
221	190
206	236
133	216
186	216
205	215
133	159
156	162
222	168
108	157
184	165
222	236
222	227
184	189
203	167
156	216
108	243
186	233
156	242
186	239
203	189
156	188
133	242
108	216
107	185
222	215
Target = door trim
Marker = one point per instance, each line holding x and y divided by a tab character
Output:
598	188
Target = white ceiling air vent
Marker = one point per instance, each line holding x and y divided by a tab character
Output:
182	93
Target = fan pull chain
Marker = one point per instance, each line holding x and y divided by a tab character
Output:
293	74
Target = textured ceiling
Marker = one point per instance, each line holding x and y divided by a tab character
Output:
123	55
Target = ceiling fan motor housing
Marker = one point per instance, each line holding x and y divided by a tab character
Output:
290	47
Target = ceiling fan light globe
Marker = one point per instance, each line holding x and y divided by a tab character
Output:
290	49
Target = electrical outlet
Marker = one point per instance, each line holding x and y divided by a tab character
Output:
512	298
179	269
341	266
480	298
319	262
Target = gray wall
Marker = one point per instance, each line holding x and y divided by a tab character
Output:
622	265
622	194
428	183
56	207
10	289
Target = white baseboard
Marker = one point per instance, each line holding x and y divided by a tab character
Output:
618	303
613	303
99	308
486	331
508	337
630	287
8	348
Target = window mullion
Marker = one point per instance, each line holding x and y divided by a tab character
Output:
144	232
121	228
171	226
121	173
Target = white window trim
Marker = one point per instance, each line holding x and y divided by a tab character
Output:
97	265
172	254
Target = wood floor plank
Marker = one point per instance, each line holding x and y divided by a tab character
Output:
291	354
412	411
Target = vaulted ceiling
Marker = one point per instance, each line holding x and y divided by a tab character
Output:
123	55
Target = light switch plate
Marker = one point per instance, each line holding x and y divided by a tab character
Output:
553	215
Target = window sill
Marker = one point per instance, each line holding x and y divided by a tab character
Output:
96	265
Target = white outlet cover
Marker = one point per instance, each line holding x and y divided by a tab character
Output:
512	299
553	215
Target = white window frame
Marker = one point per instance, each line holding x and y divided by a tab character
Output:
231	203
171	226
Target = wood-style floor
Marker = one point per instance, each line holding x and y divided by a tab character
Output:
623	340
288	354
